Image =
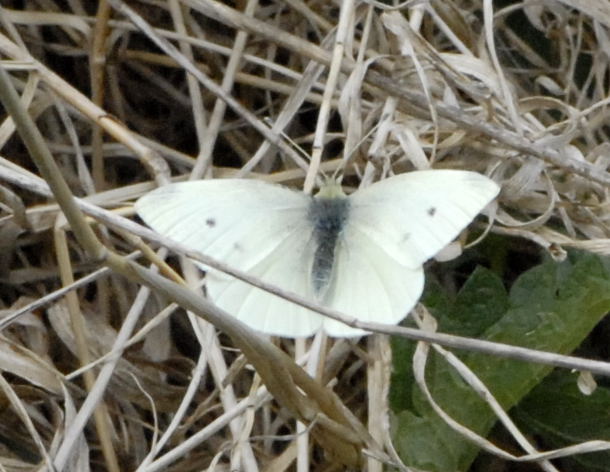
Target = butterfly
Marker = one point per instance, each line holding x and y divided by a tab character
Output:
361	254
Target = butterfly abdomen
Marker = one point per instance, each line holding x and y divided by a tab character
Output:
328	216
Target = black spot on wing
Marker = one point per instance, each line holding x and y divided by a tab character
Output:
431	211
210	222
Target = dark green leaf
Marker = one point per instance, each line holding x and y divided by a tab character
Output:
551	307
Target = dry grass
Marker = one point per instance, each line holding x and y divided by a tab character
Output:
520	96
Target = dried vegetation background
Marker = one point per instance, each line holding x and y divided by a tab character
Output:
515	90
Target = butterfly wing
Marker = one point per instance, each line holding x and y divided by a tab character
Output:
394	226
259	228
288	268
413	216
372	285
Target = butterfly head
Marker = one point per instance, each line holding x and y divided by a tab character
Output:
331	188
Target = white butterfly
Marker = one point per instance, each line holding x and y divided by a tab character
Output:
360	254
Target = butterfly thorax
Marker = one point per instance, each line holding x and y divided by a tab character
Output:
328	213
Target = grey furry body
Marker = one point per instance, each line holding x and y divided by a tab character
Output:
328	216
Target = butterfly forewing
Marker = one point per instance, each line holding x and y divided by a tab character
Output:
230	220
413	216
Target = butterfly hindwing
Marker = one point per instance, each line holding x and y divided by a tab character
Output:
288	268
369	284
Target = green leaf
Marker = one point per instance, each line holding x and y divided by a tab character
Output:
481	303
557	411
551	307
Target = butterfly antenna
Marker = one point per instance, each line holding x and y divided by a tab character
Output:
350	155
291	141
300	150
